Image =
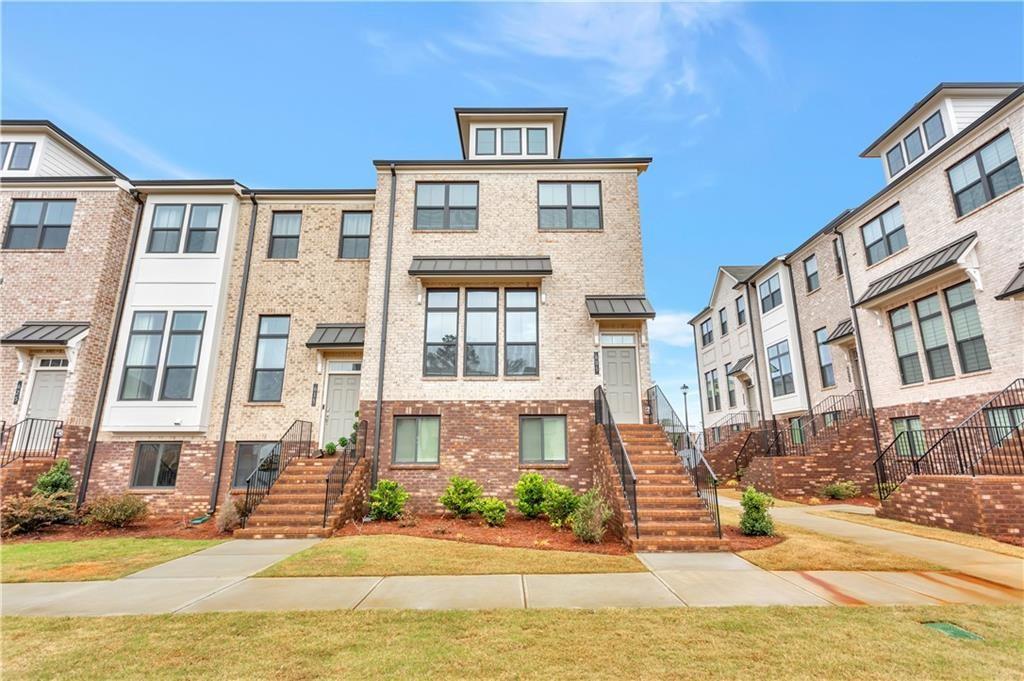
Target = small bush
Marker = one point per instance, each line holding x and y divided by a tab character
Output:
559	503
343	442
26	514
842	489
493	510
57	479
387	499
530	494
229	517
461	496
330	449
118	511
589	519
755	520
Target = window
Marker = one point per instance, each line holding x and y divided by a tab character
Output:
143	355
446	206
933	337
838	257
780	368
203	226
711	389
249	455
21	159
771	294
906	346
271	350
537	141
741	311
441	335
970	342
481	352
828	376
730	389
284	235
707	334
991	171
165	228
1002	421
4	146
569	205
830	418
39	224
521	332
417	439
156	464
884	235
796	430
912	444
182	361
811	273
914	145
511	141
355	234
542	439
934	132
723	322
485	141
894	158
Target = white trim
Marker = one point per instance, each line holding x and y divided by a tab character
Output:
636	358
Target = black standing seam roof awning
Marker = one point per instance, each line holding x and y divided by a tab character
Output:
475	266
1016	285
337	336
740	366
619	307
842	330
919	269
45	333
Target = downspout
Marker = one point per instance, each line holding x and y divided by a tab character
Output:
239	318
800	340
754	333
383	332
101	400
861	358
700	379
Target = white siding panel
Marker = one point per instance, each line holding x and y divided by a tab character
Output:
966	110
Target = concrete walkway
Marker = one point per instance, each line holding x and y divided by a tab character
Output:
219	579
992	567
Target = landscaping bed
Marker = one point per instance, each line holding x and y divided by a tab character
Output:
167	528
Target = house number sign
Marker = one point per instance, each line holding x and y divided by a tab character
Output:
17	392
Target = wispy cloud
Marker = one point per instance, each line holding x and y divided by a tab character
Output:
671	328
81	119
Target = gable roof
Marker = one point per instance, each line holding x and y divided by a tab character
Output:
63	137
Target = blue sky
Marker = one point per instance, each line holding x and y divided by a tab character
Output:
755	114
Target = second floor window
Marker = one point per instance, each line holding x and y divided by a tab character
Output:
355	234
446	205
828	375
723	321
521	332
271	351
730	389
39	225
970	341
182	362
906	346
780	369
711	388
884	235
165	228
142	357
811	273
284	235
203	228
441	346
741	311
707	333
771	293
933	337
481	349
991	171
569	205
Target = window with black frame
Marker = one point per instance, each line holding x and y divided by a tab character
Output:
249	455
21	158
441	333
741	311
269	364
908	436
970	340
486	141
933	337
182	361
536	141
203	228
934	130
828	375
569	205
156	464
43	225
711	388
811	277
884	235
417	440
451	205
142	357
894	159
511	141
481	346
707	332
355	234
771	293
730	389
986	174
723	321
906	347
780	369
165	228
521	332
284	235
1003	422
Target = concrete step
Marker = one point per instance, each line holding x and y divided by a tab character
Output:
282	532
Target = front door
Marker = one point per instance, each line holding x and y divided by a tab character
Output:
620	383
43	403
341	406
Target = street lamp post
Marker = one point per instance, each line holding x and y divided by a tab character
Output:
686	417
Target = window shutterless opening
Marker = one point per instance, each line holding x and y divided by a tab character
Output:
39	225
269	363
884	235
521	332
142	356
771	293
988	173
543	439
441	333
480	353
511	141
248	455
569	205
21	159
203	228
284	235
486	141
446	205
355	234
156	464
906	347
165	228
780	369
182	361
536	141
416	440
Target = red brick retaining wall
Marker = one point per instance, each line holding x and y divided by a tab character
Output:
606	477
722	456
934	414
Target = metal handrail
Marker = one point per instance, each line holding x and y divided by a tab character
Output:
341	471
812	428
31	438
735	422
295	443
627	476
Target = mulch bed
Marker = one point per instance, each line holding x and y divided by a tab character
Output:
870	502
740	542
518	531
169	528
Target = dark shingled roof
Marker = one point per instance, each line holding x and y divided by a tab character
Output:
337	336
609	307
740	366
842	330
1016	285
480	266
917	270
44	333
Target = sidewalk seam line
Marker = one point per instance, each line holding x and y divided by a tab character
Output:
670	589
205	596
522	586
367	594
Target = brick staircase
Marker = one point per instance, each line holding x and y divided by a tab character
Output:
671	516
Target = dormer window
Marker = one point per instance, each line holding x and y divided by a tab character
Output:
21	158
894	158
914	146
934	132
511	141
486	141
537	141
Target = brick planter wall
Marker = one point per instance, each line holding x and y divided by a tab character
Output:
606	477
988	505
19	476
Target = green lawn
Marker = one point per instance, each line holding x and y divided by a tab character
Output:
387	555
737	643
90	559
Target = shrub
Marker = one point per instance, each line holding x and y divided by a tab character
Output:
57	479
530	494
26	514
229	517
493	511
118	511
387	499
842	489
461	496
755	520
589	519
559	503
343	442
330	448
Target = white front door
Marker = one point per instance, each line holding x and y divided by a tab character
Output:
340	406
620	383
43	403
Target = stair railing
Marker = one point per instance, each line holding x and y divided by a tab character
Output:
756	444
341	471
735	422
295	443
31	439
627	477
798	438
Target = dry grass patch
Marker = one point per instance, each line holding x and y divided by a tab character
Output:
752	643
736	493
90	559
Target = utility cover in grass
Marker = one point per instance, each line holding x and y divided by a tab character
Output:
952	630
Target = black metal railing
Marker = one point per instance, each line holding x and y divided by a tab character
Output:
603	417
697	466
30	439
735	422
295	443
341	471
801	436
757	443
901	456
